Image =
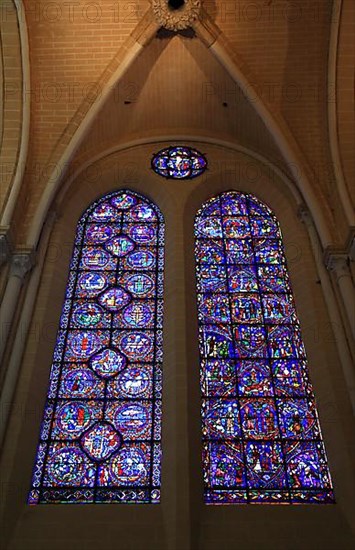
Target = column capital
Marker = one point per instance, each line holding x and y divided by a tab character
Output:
336	262
21	263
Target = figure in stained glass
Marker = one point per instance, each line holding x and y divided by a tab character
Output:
261	436
100	435
179	162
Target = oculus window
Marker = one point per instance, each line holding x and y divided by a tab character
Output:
179	162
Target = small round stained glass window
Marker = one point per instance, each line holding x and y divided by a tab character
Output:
179	162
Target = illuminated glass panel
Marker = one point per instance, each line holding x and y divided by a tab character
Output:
101	430
261	436
179	162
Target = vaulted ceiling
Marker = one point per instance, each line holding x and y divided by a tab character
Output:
176	87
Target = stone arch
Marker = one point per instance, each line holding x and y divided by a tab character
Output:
210	34
86	113
163	139
181	429
295	160
304	284
341	103
16	106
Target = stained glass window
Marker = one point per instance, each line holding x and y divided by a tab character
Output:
261	436
100	434
179	162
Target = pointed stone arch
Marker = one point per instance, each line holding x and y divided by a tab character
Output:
90	107
212	37
339	104
15	107
299	169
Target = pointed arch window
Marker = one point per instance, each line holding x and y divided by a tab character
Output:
261	436
100	435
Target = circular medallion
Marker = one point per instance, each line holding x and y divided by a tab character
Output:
133	382
140	285
99	233
108	363
143	233
124	201
73	418
67	467
95	258
142	212
129	466
78	382
141	259
87	315
120	246
83	344
136	345
105	212
138	315
114	299
132	419
91	283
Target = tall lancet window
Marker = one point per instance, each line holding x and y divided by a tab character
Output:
100	435
261	436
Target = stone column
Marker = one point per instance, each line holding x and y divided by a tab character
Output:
332	306
337	263
20	265
10	380
4	248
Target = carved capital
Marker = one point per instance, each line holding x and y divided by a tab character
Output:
21	264
176	19
337	263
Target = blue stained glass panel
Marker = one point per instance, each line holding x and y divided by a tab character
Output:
261	435
179	162
101	429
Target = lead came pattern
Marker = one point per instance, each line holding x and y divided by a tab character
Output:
261	436
179	162
101	430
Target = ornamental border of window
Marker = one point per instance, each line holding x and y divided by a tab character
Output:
262	441
118	363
